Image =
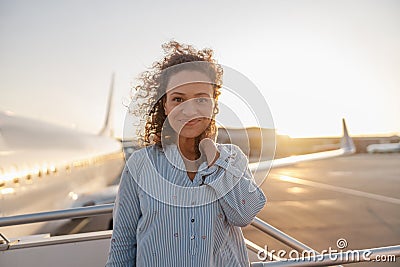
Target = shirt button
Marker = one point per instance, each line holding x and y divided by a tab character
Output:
192	220
192	237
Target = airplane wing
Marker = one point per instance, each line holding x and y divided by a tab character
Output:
347	147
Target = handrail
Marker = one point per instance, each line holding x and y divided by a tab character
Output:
351	256
279	235
72	213
59	240
81	213
107	208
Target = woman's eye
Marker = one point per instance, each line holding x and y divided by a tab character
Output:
202	100
177	99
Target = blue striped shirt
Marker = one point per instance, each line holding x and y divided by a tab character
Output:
162	218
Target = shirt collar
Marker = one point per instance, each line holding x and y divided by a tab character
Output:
175	159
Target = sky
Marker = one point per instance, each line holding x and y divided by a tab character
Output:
314	62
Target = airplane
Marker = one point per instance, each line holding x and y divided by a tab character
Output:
46	167
383	148
346	147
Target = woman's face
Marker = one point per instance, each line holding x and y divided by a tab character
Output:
189	103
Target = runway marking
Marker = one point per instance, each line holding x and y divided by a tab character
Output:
295	180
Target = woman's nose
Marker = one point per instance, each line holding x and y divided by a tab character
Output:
189	108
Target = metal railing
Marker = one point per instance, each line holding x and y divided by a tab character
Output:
282	237
315	260
279	235
73	213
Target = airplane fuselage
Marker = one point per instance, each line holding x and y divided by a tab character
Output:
45	167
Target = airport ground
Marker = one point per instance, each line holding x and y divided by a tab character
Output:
355	198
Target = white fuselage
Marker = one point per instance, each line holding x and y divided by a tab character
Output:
45	167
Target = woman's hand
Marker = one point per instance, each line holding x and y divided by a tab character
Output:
209	149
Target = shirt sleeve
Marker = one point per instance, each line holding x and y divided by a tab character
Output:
125	219
234	184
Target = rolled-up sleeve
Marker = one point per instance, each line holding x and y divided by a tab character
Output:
234	184
125	218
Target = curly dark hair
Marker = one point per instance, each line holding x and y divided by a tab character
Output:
150	93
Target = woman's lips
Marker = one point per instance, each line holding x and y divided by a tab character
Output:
191	122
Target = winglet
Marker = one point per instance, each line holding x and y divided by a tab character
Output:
347	143
107	129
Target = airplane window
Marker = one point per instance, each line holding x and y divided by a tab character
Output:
53	169
28	179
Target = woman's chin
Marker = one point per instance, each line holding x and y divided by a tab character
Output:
190	135
188	132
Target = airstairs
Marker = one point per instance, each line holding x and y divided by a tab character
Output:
91	249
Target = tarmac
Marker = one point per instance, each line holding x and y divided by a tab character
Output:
355	198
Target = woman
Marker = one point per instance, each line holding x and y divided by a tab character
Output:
183	198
